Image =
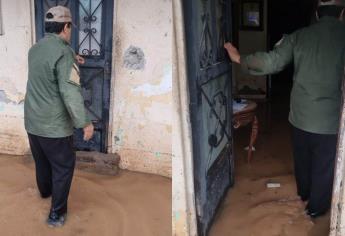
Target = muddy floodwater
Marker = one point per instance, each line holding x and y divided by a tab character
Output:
125	205
252	209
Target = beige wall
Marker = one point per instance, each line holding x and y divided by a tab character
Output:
14	45
142	101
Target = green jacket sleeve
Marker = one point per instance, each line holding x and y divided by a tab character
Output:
264	63
69	85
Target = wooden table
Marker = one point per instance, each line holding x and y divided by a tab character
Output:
245	116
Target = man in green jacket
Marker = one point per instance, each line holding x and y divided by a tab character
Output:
53	107
318	54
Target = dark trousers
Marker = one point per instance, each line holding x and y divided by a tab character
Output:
314	161
54	161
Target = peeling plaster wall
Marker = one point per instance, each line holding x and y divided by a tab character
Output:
142	87
14	45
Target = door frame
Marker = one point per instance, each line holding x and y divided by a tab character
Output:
184	219
109	139
110	144
337	221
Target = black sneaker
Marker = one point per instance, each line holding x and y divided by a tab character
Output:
55	220
45	195
315	214
306	209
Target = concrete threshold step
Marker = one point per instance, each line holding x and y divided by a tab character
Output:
95	162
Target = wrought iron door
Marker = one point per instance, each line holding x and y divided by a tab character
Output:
92	38
208	25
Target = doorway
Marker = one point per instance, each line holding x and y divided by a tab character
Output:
264	199
92	39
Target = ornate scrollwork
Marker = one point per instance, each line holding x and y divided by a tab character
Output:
219	105
217	119
213	85
90	35
89	19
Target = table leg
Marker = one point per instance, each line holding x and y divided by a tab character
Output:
253	136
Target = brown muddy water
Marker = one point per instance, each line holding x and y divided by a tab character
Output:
252	209
125	205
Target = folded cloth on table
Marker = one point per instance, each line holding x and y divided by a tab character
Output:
238	106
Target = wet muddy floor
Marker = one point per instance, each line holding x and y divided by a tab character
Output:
252	209
125	205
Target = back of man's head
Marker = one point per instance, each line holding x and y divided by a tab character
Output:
332	8
56	18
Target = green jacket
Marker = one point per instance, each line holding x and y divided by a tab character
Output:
318	54
53	101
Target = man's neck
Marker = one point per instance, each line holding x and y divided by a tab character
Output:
63	37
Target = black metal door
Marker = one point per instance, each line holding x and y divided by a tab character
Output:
207	26
93	40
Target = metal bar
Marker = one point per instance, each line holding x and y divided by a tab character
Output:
207	77
223	64
100	3
215	113
83	7
1	26
90	53
213	29
86	36
92	35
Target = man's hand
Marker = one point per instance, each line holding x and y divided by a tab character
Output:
80	59
233	52
88	132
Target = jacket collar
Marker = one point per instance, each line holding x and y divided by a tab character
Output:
55	36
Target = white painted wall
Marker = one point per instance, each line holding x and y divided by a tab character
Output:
14	45
142	101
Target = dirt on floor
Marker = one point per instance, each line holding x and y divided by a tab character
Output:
253	209
129	204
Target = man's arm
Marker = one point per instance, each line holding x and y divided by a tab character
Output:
233	53
70	90
263	63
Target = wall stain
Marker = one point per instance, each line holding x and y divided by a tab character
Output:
165	85
134	58
169	128
4	98
7	103
118	138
